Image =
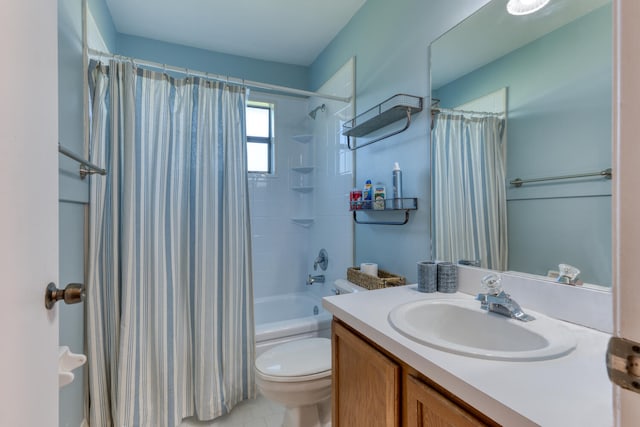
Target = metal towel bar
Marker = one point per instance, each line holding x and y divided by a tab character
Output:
605	173
86	167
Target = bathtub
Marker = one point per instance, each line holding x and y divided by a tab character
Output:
289	317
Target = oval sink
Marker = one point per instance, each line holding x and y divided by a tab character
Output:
462	327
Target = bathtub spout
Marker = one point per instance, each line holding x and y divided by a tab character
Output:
313	279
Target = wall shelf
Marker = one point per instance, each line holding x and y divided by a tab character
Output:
389	111
304	222
301	176
303	169
303	139
404	204
302	189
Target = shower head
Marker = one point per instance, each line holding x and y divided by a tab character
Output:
313	112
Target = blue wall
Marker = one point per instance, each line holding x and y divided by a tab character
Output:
73	193
390	41
294	76
102	16
559	103
219	63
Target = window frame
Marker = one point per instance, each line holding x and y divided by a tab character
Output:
263	140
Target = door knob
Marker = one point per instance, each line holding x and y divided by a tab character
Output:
73	293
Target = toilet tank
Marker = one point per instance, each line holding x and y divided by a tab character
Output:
343	286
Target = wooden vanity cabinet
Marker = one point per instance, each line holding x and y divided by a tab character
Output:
372	388
365	383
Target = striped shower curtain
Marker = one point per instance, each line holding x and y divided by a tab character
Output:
469	189
170	330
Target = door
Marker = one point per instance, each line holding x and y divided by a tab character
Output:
426	407
366	384
28	212
626	187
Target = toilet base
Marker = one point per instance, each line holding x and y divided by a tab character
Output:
316	415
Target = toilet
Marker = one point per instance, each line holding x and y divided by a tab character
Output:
297	374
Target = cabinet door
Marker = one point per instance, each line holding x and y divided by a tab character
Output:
425	407
366	384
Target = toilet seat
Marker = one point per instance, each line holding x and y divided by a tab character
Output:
295	361
305	378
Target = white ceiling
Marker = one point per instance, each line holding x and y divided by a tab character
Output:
287	31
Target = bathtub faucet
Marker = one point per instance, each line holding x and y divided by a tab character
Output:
322	260
313	279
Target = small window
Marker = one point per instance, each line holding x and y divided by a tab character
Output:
260	138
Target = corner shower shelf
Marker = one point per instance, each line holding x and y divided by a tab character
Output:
303	169
301	177
389	111
405	204
302	189
305	222
303	139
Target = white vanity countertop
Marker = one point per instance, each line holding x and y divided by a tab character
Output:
573	390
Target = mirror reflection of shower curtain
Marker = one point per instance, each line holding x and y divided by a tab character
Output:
170	330
469	194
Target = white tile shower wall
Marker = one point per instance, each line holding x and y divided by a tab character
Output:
279	246
333	226
283	251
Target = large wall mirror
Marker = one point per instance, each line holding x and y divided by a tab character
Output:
525	97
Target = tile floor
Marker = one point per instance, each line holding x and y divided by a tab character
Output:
251	413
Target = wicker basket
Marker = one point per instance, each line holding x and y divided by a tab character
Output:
384	279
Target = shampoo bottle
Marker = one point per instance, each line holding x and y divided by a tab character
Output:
367	194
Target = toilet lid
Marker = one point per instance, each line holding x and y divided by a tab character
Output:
296	358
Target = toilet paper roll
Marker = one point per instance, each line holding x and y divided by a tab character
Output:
369	268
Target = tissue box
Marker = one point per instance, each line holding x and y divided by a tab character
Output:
384	279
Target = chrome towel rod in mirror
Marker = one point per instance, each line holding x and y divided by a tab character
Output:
86	167
605	173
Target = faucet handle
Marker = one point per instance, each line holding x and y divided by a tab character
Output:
567	273
491	284
321	260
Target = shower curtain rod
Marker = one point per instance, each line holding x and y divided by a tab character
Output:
227	79
436	110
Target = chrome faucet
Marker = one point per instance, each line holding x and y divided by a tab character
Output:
313	279
568	275
498	301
